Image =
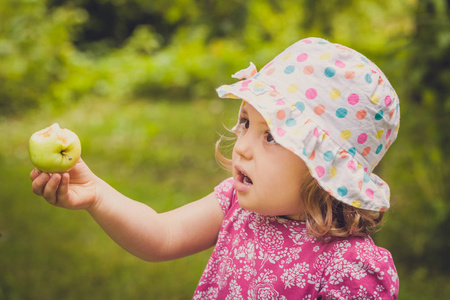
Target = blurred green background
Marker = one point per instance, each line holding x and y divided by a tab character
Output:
135	80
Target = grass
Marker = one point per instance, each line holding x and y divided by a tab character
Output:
159	153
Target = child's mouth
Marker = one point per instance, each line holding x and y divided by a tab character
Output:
245	179
242	183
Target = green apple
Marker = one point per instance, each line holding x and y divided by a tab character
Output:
54	149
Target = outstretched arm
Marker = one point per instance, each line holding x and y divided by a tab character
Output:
133	225
158	237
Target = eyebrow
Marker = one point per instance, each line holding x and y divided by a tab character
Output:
244	110
245	114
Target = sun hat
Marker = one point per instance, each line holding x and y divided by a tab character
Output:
332	107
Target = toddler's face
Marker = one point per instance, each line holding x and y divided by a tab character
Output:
267	176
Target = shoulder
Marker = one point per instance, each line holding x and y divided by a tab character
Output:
225	194
360	249
357	267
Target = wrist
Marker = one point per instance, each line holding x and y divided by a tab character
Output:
101	188
106	198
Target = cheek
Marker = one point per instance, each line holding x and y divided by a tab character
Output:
290	190
288	179
289	173
283	185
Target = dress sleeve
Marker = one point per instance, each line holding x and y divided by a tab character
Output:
358	269
225	194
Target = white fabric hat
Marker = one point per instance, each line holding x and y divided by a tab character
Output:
332	107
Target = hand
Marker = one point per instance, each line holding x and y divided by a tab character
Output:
76	189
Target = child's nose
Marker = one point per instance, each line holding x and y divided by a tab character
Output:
243	146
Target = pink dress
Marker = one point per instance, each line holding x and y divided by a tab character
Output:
261	257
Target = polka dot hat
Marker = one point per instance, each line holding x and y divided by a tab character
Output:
332	107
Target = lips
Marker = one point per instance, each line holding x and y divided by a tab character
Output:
242	182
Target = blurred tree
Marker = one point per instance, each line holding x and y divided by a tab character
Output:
430	92
112	22
420	168
55	52
430	66
320	14
35	52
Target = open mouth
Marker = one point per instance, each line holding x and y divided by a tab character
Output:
242	182
244	179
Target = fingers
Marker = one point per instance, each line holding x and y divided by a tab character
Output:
39	182
63	190
53	188
50	191
34	174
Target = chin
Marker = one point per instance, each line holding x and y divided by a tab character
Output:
245	204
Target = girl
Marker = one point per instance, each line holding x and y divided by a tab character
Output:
294	220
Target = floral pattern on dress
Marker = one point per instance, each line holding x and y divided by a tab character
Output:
262	257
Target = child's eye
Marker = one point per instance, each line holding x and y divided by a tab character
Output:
244	122
269	138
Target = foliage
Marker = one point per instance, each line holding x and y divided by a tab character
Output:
51	56
36	55
420	169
